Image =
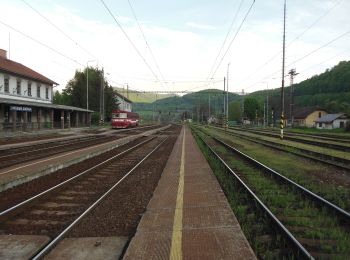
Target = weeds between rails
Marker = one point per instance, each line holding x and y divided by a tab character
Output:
330	183
315	227
266	241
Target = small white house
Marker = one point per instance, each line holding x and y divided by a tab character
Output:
124	103
332	121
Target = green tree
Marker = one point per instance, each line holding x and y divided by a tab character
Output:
251	106
235	111
75	92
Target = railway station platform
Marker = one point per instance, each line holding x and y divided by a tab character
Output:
188	216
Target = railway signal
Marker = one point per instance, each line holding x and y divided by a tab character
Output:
282	125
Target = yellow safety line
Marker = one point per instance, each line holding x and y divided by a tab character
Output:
176	240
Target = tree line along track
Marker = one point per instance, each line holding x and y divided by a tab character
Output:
327	159
54	210
320	227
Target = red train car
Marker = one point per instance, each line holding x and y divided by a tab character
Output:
124	119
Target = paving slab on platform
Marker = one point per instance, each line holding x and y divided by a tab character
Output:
188	216
86	248
18	247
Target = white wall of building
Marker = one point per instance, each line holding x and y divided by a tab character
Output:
335	124
12	93
124	105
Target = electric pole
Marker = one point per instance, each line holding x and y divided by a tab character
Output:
292	73
228	68
224	94
283	68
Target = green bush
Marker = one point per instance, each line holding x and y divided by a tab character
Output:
95	118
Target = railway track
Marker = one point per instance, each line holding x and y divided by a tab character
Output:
328	143
13	156
313	226
58	209
319	136
338	162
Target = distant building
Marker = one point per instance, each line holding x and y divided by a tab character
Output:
332	121
124	103
26	100
306	117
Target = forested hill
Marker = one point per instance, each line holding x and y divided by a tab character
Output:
329	90
192	103
140	97
333	80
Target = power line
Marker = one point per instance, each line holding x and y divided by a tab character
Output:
59	29
308	54
328	59
228	33
296	38
131	42
238	30
321	47
41	43
144	37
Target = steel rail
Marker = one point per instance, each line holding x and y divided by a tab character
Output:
330	137
47	248
327	159
279	224
314	196
19	146
54	146
26	202
339	147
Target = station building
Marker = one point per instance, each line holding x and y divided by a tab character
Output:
26	101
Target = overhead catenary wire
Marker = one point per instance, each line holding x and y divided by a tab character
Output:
294	40
41	43
131	42
235	36
305	56
59	29
145	39
224	42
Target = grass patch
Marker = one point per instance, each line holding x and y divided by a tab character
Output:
290	206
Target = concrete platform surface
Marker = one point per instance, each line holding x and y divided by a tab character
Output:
18	247
188	216
86	248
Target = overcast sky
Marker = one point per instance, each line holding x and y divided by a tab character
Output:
185	37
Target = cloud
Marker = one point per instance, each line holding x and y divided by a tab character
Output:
200	26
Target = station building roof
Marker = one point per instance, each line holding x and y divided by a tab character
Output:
18	69
124	98
40	104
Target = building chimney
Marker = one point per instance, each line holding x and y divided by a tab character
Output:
3	53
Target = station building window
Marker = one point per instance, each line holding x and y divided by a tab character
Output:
47	93
18	88
38	90
29	88
6	84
